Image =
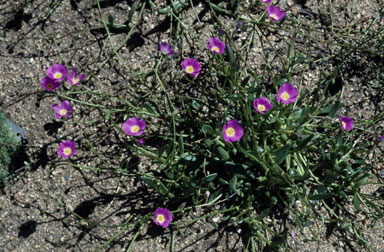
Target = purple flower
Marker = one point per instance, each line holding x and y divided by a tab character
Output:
140	141
134	126
266	1
240	23
346	123
162	217
292	234
381	138
216	45
49	84
66	149
221	31
207	194
287	93
191	66
64	109
73	78
382	20
262	104
57	72
166	48
232	131
274	13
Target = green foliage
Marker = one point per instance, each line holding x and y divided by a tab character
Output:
294	157
8	146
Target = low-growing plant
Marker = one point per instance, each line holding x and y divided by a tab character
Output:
257	142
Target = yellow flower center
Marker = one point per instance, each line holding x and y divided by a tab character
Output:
215	49
160	218
189	69
50	86
273	16
261	107
67	151
57	75
75	80
63	112
230	131
344	125
285	96
135	129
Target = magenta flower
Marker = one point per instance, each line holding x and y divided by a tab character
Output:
64	109
262	104
216	45
162	217
66	149
381	138
346	123
49	84
134	126
57	72
191	66
73	78
166	48
232	131
287	93
274	13
266	1
221	31
382	20
140	141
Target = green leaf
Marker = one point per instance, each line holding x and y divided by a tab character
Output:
176	6
210	177
150	108
357	202
232	185
301	143
264	214
320	196
170	149
245	81
223	154
181	144
281	153
133	9
232	59
331	109
196	105
233	4
239	170
207	130
157	185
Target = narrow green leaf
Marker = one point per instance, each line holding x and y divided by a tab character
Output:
320	196
301	143
181	144
133	9
232	59
210	177
331	109
281	153
233	184
357	202
150	108
223	154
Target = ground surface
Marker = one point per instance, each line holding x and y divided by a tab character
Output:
34	212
